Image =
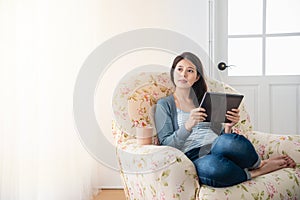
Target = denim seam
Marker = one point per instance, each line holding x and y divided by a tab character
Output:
248	174
256	164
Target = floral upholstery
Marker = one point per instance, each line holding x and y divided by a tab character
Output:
162	172
134	99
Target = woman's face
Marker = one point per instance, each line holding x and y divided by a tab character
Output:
185	74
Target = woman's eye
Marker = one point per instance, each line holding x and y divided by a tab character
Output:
179	69
191	71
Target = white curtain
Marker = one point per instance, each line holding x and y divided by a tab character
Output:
42	46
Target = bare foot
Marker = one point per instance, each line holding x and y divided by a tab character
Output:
273	164
290	162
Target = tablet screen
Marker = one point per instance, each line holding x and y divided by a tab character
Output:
217	104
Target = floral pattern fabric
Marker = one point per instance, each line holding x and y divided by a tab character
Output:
162	172
135	98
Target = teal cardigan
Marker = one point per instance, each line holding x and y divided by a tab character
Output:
166	124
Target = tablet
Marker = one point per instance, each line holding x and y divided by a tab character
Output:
217	104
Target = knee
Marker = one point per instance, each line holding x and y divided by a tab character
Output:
240	142
218	171
229	142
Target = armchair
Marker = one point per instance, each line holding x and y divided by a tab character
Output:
162	172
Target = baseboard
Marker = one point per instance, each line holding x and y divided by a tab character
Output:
110	187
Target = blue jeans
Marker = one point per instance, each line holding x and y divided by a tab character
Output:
228	161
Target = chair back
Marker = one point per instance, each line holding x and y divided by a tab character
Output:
135	98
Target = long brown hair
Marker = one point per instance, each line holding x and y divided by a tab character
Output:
200	86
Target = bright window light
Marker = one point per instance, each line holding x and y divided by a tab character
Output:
246	55
278	61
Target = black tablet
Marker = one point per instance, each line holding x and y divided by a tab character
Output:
217	104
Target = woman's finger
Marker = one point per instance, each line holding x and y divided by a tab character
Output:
233	118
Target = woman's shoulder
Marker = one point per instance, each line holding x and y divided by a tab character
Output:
167	103
166	100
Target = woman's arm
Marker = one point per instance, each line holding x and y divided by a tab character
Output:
164	124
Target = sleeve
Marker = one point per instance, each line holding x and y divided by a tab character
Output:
164	124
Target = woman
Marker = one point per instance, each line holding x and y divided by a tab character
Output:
221	158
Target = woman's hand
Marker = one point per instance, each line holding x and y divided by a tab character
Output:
196	115
234	117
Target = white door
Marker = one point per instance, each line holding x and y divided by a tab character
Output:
264	47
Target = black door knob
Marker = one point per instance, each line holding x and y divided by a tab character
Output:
222	66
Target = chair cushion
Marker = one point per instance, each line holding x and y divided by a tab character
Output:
281	184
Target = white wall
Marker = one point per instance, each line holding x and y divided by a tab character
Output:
43	45
186	17
189	18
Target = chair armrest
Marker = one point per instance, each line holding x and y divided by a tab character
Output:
269	145
157	172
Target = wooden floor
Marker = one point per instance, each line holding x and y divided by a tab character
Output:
110	194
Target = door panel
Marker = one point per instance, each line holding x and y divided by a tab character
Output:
273	101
